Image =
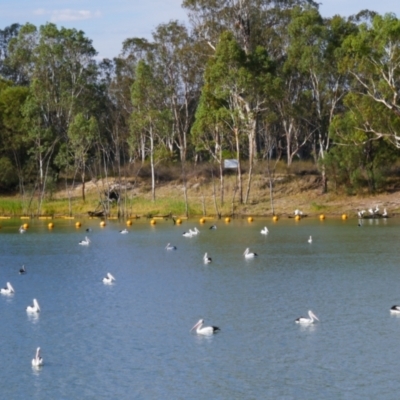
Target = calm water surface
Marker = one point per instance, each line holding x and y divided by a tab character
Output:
131	340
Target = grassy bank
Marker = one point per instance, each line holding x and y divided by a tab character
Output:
299	189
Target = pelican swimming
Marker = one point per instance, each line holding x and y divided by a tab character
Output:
88	229
33	309
207	330
194	232
108	279
307	321
206	259
22	229
298	212
187	234
124	231
310	239
170	247
22	270
264	231
247	254
213	227
8	289
384	214
395	310
38	360
85	242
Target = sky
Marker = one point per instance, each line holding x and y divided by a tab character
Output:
108	23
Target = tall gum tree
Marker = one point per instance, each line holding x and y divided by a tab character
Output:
150	117
238	84
82	133
372	58
312	52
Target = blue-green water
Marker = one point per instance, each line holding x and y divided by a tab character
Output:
131	340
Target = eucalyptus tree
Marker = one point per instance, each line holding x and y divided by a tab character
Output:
180	65
82	133
313	53
371	56
238	85
59	65
6	35
209	131
150	119
13	148
41	142
135	50
246	19
357	158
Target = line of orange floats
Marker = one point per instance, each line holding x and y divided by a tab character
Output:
178	221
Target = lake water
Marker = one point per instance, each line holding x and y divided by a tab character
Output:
131	340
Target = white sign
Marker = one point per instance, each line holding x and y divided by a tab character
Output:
231	164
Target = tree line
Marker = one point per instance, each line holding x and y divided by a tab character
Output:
248	80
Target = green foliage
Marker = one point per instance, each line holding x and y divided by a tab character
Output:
355	167
8	175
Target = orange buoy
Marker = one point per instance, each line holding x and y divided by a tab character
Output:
129	222
50	225
178	221
322	217
250	219
78	224
25	226
202	220
103	224
275	218
297	218
153	222
344	216
227	219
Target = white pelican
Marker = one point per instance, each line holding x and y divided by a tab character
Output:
395	310
22	270
307	321
195	231
310	239
298	212
207	259
8	289
38	360
384	214
88	229
361	213
108	279
124	231
22	229
376	210
85	242
213	227
247	254
187	234
371	211
33	309
170	247
207	330
264	231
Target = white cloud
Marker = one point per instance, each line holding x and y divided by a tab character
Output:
68	14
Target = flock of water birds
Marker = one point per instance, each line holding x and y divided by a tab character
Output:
199	327
34	309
